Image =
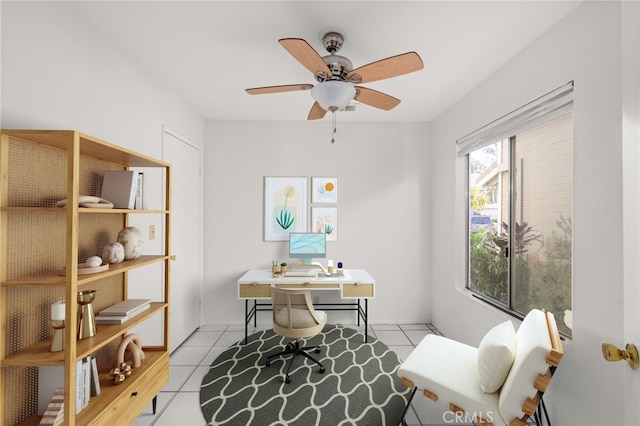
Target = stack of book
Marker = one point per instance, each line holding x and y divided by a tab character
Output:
123	311
50	380
125	189
54	414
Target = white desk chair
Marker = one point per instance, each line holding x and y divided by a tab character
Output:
295	317
499	383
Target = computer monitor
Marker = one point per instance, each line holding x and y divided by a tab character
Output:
307	245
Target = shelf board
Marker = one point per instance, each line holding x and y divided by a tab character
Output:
89	146
80	210
53	278
38	354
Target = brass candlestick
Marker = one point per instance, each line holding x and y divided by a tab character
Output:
57	342
86	317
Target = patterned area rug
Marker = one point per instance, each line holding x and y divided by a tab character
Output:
359	386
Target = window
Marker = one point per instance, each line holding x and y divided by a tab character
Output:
520	208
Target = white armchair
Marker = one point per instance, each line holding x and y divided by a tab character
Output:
501	382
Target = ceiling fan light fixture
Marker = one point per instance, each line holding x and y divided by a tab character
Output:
333	95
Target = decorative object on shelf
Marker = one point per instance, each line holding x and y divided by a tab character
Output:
93	261
274	267
57	323
130	343
131	238
283	268
120	373
113	253
86	317
89	201
84	269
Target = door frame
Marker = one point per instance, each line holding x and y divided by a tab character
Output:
175	134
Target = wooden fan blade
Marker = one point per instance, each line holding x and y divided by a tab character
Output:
375	99
306	55
317	112
278	89
387	68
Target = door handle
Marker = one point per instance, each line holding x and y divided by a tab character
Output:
611	352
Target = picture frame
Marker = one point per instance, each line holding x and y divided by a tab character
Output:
285	207
325	219
324	190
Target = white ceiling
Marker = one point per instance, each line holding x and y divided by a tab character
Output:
208	52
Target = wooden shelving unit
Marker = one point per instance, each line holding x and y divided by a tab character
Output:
40	248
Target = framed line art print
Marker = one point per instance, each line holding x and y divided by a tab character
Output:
325	219
324	190
285	207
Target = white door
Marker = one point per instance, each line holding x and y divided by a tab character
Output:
186	235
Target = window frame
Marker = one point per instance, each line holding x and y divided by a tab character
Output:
562	97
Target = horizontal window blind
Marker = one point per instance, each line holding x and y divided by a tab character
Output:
545	108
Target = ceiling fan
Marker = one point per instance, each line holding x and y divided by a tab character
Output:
338	82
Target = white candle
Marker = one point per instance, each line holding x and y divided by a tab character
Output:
57	311
329	263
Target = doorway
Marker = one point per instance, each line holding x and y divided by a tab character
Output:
186	234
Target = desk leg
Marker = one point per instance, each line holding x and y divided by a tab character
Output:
246	319
366	320
255	313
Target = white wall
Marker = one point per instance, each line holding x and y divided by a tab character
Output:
59	73
380	169
585	47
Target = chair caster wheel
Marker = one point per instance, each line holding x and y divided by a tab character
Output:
317	350
321	370
287	379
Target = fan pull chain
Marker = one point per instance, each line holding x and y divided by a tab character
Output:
333	122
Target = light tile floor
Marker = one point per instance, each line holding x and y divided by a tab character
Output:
179	401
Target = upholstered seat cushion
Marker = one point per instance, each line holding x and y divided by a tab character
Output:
448	369
300	318
532	349
495	356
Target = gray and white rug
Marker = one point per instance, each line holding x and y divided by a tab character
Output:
359	386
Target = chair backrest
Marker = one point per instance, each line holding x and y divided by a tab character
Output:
538	353
294	315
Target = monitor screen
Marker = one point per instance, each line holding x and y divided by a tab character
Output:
307	245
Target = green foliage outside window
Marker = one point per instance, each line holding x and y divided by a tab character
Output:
543	268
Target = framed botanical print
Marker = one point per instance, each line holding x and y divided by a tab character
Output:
285	207
325	219
324	190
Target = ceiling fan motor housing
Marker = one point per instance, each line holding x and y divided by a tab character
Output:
339	66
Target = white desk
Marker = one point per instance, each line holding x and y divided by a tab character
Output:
351	283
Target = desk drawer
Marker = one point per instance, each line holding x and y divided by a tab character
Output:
254	290
357	290
314	286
